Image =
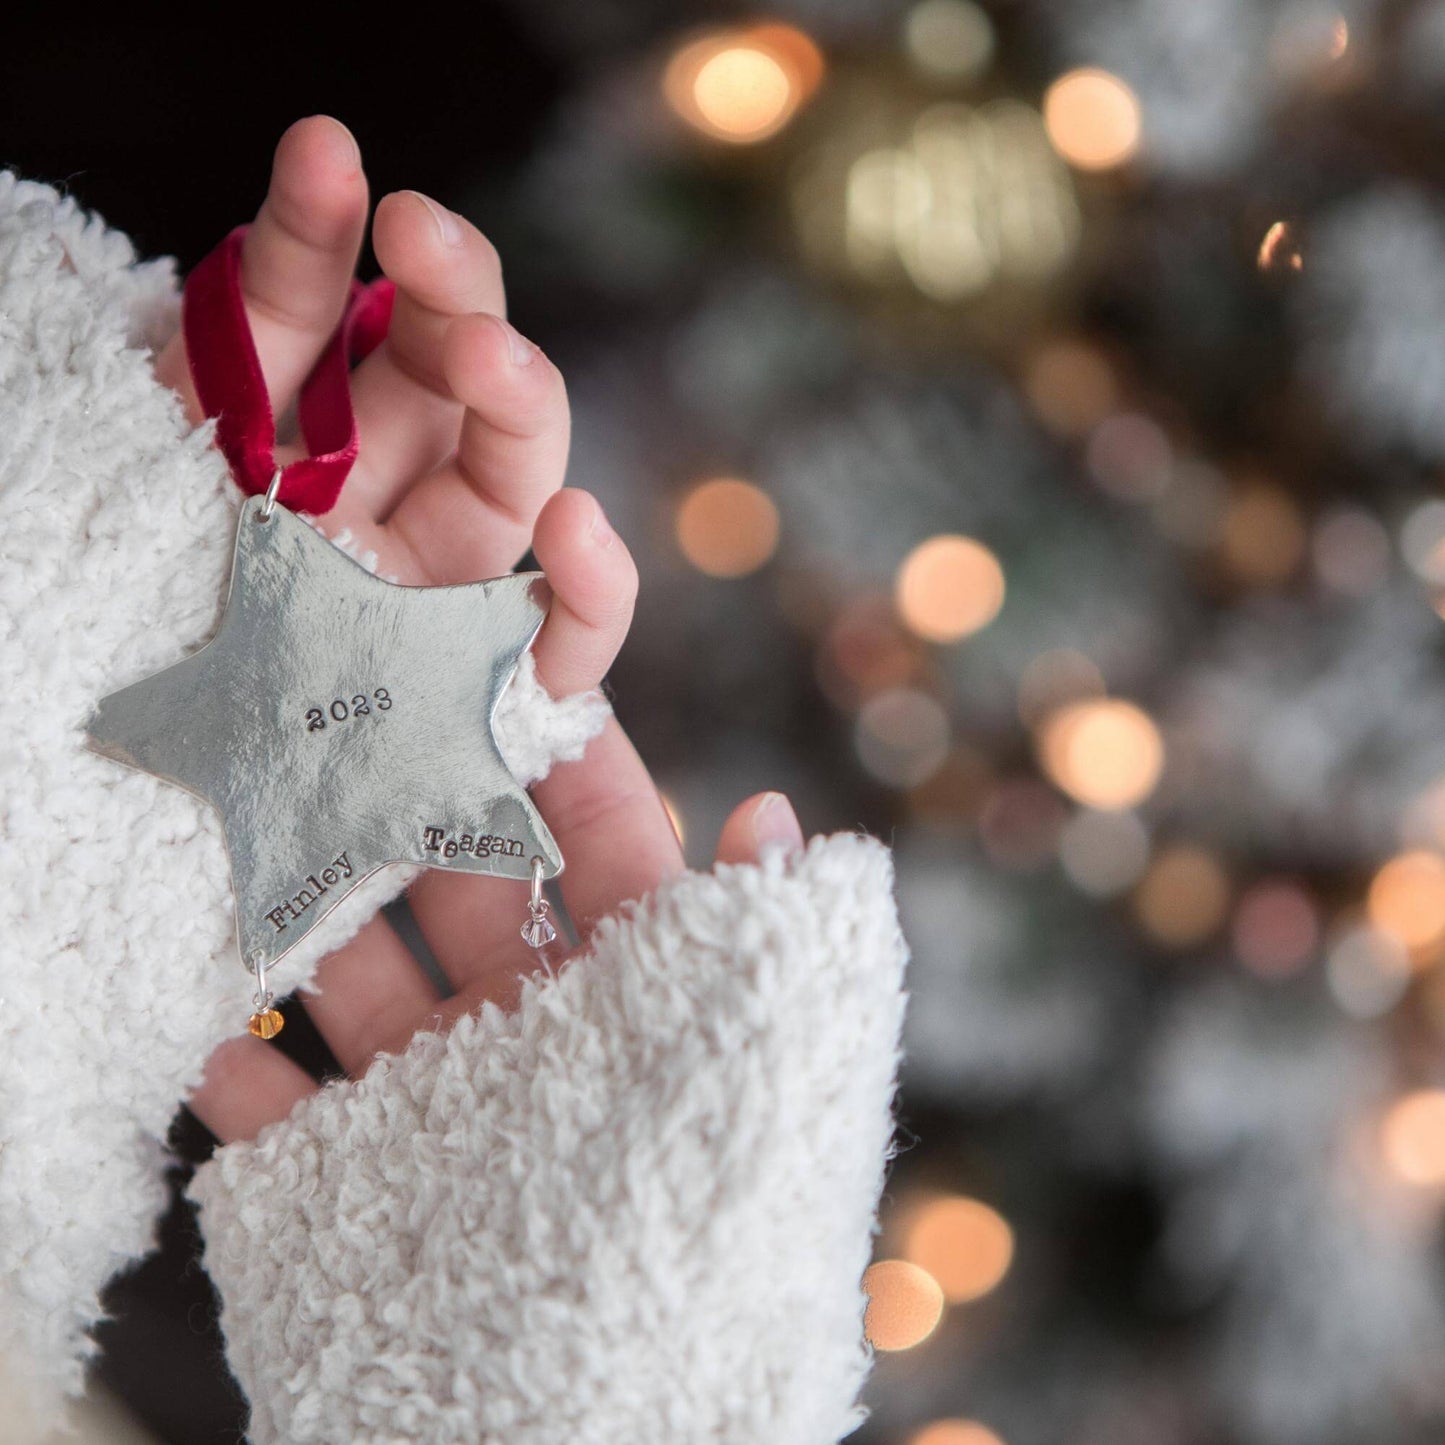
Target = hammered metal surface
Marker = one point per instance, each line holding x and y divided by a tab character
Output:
338	723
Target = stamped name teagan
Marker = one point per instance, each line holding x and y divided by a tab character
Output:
286	913
481	845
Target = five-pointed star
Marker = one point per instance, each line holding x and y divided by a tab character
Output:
338	722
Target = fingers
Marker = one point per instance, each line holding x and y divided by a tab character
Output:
610	823
248	1084
763	822
470	923
475	515
369	997
407	414
298	259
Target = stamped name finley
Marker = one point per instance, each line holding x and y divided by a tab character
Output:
286	913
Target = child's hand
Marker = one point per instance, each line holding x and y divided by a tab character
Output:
464	431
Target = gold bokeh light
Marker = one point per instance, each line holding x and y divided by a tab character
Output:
905	1304
1183	896
955	1432
1413	1137
949	587
1093	119
727	527
743	86
966	1246
1104	752
1407	899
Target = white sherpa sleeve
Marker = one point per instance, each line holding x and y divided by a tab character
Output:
118	966
636	1209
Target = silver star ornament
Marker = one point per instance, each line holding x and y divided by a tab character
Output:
337	723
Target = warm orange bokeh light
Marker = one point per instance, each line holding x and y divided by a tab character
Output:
1071	385
1104	753
905	1305
1279	251
1264	535
966	1246
743	85
949	587
1092	119
955	1432
727	528
1407	899
1413	1137
1182	897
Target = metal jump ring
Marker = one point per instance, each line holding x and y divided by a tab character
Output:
268	506
263	996
538	904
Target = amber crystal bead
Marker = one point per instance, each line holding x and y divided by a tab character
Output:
268	1024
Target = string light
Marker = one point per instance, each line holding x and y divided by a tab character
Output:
743	86
1093	119
1019	823
865	652
1413	1137
1407	899
727	527
1351	552
963	1244
955	1432
1183	896
905	1304
1104	753
949	587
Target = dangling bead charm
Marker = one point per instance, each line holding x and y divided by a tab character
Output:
537	931
267	1021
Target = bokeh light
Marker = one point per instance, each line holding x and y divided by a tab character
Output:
1019	822
902	736
955	1432
1129	456
1276	928
865	651
949	587
727	527
962	1243
1264	535
1104	753
1367	971
1407	899
1054	678
1103	853
743	86
1351	552
1183	896
1279	250
1071	385
1413	1137
905	1304
1093	119
949	39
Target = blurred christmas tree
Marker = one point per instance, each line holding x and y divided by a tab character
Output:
1029	415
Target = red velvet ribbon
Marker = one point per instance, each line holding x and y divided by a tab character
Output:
232	389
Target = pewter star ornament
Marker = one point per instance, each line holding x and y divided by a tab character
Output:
338	723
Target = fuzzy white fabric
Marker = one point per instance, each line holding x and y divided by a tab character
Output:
637	1209
118	965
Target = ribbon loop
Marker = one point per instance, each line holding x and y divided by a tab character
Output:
231	387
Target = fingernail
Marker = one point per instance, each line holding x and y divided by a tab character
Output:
600	532
344	134
521	351
449	226
775	825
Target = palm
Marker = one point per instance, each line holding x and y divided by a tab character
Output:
464	434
